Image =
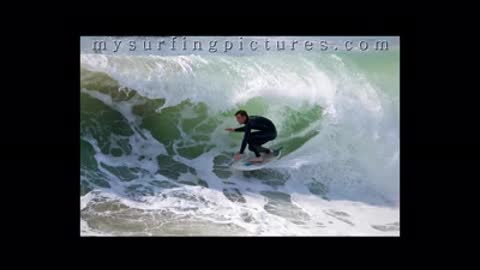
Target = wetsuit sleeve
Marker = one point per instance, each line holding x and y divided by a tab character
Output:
245	138
240	129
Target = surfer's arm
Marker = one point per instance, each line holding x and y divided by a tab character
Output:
240	129
245	138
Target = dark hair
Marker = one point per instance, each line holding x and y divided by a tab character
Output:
242	113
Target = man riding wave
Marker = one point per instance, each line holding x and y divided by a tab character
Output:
264	131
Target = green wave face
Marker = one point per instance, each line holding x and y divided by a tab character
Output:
187	129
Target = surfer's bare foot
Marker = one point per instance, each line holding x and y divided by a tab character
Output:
257	159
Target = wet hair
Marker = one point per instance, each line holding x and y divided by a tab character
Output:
242	113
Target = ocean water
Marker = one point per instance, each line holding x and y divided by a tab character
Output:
155	157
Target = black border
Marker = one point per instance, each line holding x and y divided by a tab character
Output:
63	199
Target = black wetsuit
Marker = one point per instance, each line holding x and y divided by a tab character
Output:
266	132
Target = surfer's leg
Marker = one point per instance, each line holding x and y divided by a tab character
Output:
262	149
261	137
254	148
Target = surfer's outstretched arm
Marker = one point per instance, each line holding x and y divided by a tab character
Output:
240	129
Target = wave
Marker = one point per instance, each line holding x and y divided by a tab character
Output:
152	127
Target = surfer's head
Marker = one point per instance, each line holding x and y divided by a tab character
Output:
241	116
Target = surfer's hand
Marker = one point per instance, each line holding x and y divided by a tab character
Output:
230	129
237	156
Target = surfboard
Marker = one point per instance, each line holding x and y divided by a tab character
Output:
246	165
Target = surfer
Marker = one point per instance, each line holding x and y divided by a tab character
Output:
266	131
